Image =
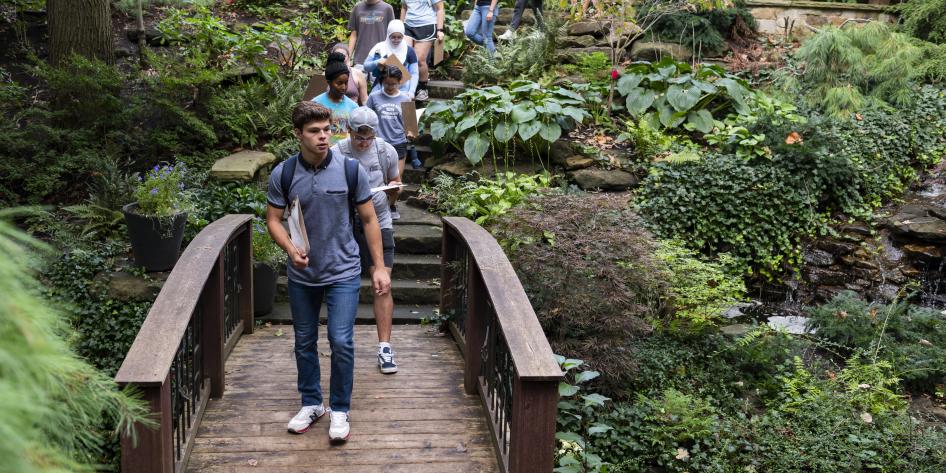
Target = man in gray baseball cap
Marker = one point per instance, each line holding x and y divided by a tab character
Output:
379	159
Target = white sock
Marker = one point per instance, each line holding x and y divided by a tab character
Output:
382	345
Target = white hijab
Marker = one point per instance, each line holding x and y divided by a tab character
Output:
386	48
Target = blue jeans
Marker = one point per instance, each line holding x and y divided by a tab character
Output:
479	30
342	301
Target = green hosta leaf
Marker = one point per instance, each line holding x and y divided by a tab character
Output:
701	120
737	92
475	147
467	123
575	468
437	107
505	131
567	406
438	130
550	132
575	113
586	376
595	399
628	82
553	107
565	389
570	94
669	118
667	72
707	87
683	99
523	112
571	363
529	129
639	100
680	80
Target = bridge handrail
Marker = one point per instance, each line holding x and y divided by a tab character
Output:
508	360
177	358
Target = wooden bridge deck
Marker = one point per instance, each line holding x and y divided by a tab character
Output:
418	420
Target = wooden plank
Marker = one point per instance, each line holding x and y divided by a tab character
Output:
240	416
361	439
214	345
275	429
343	456
245	253
531	428
152	453
470	466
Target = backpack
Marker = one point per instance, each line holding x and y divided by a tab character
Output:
351	178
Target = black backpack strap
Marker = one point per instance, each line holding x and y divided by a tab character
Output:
351	177
285	179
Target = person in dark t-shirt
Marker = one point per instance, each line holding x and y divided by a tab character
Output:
368	25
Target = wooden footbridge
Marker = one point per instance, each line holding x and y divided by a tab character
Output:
481	398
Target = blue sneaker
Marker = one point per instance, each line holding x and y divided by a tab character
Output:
416	164
386	360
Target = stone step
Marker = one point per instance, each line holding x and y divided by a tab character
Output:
410	292
410	190
414	267
417	239
445	89
505	16
414	176
415	216
403	314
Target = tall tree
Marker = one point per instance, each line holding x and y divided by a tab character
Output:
83	27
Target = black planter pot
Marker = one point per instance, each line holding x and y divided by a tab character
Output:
155	242
264	288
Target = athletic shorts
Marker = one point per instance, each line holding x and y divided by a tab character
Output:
401	151
387	244
421	33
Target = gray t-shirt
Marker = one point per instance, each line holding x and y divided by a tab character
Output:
380	161
371	23
323	195
390	117
420	12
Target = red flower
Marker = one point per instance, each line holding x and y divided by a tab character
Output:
614	74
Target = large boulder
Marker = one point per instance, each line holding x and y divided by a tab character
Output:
604	179
583	41
241	166
594	28
914	222
654	51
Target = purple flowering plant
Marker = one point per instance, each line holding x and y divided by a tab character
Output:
160	192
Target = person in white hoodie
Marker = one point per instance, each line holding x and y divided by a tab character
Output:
395	45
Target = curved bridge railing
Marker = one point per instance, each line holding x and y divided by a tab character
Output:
177	359
507	359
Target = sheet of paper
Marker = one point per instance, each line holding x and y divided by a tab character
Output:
297	232
409	113
438	51
387	187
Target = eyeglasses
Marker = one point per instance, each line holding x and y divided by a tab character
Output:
363	139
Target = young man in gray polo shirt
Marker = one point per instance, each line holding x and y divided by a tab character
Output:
331	270
379	159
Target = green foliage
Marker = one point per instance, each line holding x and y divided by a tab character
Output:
912	339
849	70
593	67
705	31
575	429
700	290
255	111
724	204
732	135
484	199
54	403
524	112
265	250
924	19
525	58
674	93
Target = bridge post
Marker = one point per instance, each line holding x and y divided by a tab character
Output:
245	249
213	328
475	329
532	426
152	453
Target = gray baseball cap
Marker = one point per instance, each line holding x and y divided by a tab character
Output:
363	117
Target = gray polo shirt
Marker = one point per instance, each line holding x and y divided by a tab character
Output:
380	161
323	195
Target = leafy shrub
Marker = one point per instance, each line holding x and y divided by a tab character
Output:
484	199
757	213
495	116
701	291
527	57
674	93
55	403
924	19
705	31
254	111
161	191
587	267
911	338
575	414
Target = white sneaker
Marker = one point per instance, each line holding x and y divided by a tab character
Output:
305	418
508	35
422	95
386	360
339	429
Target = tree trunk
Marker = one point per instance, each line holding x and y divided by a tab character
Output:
83	27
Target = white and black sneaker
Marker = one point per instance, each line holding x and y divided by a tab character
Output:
305	418
339	429
422	95
386	360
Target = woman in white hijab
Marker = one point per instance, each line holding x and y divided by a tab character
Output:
394	45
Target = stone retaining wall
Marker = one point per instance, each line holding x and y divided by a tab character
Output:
771	14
